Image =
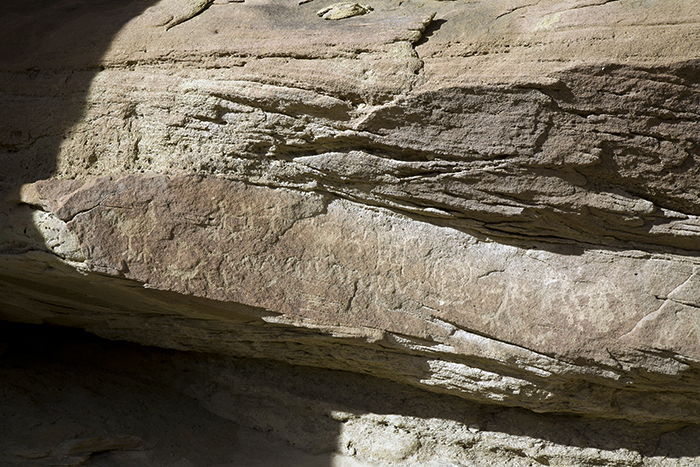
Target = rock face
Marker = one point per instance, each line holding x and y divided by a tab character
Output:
494	200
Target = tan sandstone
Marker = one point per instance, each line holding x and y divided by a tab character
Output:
495	201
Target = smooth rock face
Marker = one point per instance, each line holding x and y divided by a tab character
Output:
496	200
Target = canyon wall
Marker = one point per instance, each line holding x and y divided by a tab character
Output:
489	203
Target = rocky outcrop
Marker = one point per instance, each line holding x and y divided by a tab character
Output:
168	408
493	200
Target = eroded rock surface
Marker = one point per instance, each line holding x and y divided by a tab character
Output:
73	399
496	200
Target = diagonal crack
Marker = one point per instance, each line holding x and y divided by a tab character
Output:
594	3
195	7
514	9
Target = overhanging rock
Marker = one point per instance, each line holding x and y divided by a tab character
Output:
496	199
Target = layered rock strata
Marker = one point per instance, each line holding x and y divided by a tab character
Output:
169	408
497	200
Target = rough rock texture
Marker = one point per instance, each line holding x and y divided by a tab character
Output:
496	200
73	399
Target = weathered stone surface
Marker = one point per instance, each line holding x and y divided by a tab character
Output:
484	319
492	199
168	408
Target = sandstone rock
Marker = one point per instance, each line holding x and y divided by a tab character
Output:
496	200
343	10
195	409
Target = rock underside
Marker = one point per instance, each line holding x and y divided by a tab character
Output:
422	233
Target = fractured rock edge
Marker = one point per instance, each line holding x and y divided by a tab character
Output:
575	159
352	287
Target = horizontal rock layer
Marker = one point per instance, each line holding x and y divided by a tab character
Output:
496	200
589	331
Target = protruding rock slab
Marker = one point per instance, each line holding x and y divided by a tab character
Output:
527	327
496	199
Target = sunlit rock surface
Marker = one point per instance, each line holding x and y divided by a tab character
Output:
490	203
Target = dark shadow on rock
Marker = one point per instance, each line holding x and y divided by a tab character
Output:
610	160
204	409
139	402
50	50
432	28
